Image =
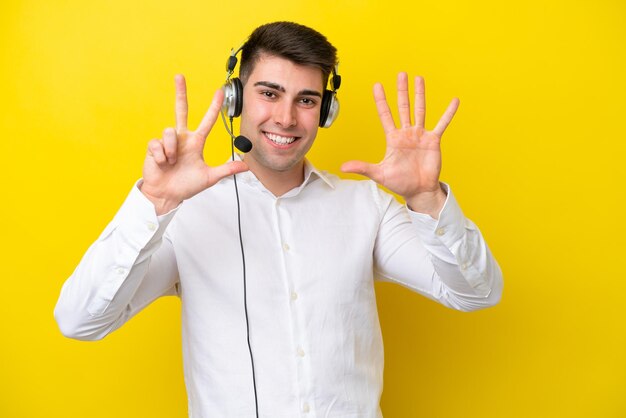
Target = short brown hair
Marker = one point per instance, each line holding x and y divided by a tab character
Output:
297	43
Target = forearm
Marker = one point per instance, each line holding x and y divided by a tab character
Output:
469	275
460	256
102	293
447	259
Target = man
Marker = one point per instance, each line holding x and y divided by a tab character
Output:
314	244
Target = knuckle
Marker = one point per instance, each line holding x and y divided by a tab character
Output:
170	151
157	156
154	144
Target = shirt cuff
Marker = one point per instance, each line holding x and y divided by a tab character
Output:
448	229
441	236
138	220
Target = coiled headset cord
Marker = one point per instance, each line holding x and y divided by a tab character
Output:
243	261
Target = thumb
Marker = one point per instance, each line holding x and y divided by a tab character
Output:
219	172
363	168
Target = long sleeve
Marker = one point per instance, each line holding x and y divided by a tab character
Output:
130	264
462	272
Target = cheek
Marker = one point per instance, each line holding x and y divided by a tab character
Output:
251	117
310	118
254	110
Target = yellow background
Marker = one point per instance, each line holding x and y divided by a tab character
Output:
535	156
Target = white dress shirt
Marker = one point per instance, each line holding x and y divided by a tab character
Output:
312	256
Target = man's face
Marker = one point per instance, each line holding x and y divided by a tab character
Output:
281	110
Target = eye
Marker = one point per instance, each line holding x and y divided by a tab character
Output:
268	94
307	101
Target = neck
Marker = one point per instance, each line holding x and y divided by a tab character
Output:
277	182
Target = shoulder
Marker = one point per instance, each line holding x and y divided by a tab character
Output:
360	193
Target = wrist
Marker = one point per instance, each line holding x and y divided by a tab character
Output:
428	202
162	204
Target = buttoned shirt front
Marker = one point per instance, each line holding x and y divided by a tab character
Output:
311	259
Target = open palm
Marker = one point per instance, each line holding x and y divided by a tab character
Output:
412	161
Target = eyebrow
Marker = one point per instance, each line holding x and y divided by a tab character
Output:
275	86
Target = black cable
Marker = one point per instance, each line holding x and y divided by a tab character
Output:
243	260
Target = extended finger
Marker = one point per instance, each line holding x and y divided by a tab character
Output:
365	169
155	149
384	113
211	115
404	105
181	102
170	144
446	118
420	102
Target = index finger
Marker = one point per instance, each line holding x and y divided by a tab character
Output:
181	103
211	115
384	113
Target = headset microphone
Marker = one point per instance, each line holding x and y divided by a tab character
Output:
243	144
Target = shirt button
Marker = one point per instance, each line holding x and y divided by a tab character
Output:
300	352
440	231
305	408
151	226
120	270
294	296
464	266
285	246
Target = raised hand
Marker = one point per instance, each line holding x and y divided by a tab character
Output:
412	161
174	168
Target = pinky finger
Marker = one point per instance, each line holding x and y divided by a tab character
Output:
155	149
446	118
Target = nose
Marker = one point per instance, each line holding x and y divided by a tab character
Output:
285	114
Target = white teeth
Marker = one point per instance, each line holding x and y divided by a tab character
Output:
283	140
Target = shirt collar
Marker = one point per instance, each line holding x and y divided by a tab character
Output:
309	170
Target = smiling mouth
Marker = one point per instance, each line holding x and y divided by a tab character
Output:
279	139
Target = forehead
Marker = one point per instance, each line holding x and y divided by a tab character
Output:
286	73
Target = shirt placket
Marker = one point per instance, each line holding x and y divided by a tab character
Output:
289	255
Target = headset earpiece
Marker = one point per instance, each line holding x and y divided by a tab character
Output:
329	109
330	104
233	97
233	89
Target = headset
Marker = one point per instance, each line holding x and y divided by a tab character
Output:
233	94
